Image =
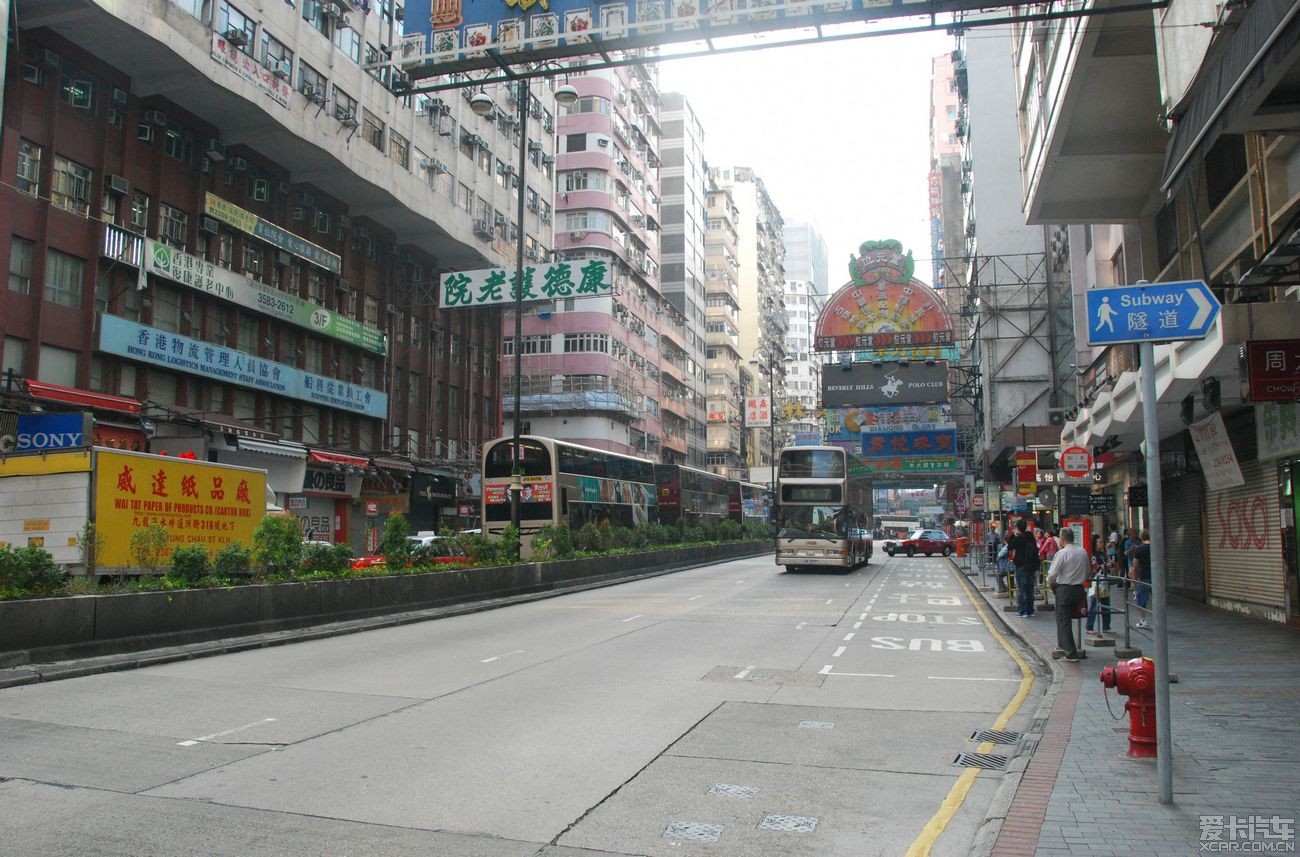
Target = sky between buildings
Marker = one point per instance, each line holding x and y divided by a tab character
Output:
839	133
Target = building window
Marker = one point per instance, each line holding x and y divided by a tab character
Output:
63	278
372	130
236	26
532	345
348	40
575	142
174	225
311	83
253	259
178	143
399	149
29	167
276	56
139	212
345	107
57	366
77	88
580	342
20	265
372	311
226	249
70	189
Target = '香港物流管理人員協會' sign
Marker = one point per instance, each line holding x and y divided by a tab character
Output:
1151	312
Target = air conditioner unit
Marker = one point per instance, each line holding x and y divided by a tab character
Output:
531	254
498	218
576	236
282	69
603	142
144	133
236	37
347	118
306	200
154	117
428	163
546	217
331	10
282	188
238	164
215	149
547	160
342	286
440	167
315	94
209	225
299	213
119	97
482	229
116	185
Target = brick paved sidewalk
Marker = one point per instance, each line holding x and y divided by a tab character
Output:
1236	733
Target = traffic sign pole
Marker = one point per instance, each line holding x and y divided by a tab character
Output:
1155	527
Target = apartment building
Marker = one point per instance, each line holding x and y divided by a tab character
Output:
807	286
727	374
224	224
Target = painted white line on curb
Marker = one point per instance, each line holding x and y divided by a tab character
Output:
225	733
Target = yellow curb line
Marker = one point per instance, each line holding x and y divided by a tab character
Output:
935	827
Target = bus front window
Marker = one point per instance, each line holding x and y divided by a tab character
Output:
810	522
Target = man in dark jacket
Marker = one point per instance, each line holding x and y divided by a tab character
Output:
1024	553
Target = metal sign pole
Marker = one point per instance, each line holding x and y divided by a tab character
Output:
1155	515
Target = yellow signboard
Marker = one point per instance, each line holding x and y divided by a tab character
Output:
197	502
228	212
36	525
37	465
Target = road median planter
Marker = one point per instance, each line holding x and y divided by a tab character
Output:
53	629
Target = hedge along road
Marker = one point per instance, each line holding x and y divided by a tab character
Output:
770	713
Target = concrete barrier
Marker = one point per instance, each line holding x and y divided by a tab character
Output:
53	629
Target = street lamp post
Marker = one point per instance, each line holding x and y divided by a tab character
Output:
482	105
771	431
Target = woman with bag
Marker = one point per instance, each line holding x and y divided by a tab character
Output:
1099	596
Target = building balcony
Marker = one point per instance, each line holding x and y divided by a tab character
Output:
1092	151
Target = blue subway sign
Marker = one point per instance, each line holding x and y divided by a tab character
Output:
1154	312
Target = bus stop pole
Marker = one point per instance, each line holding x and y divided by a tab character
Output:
1155	526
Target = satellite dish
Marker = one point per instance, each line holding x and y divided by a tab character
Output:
1046	498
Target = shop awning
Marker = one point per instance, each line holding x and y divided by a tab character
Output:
398	464
285	450
82	398
323	456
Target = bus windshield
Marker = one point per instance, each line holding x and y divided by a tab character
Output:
812	464
810	522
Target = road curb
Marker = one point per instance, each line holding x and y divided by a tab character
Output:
986	836
55	671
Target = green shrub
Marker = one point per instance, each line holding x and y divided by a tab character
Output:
393	542
656	534
622	538
232	560
326	559
709	530
730	530
692	534
30	571
149	548
589	539
191	563
91	545
277	545
552	542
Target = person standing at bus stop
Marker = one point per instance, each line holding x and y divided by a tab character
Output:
1069	572
1024	553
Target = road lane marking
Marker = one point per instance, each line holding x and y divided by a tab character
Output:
830	600
499	657
630	618
935	827
694	597
841	650
225	733
857	626
863	616
849	637
799	627
746	671
826	670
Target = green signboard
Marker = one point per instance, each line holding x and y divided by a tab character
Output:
494	286
211	279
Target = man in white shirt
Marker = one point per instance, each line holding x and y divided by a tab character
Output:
1070	570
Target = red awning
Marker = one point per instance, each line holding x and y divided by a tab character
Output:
82	398
321	456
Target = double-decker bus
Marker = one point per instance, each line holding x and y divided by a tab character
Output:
748	502
824	512
564	483
691	495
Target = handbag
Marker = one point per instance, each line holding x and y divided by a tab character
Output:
1103	588
1081	612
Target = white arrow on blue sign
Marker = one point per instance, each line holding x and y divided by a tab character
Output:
1155	312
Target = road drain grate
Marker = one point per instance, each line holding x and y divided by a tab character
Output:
727	790
816	724
788	823
995	736
987	761
694	831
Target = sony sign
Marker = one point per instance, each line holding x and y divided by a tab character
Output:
44	432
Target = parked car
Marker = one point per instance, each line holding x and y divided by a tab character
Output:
425	550
928	542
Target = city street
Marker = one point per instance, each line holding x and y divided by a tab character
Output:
731	709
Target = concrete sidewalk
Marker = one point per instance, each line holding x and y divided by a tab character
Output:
1236	734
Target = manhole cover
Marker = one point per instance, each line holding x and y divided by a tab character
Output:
788	823
995	736
816	724
695	831
726	790
987	761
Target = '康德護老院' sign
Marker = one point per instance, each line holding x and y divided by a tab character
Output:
165	261
869	384
248	222
161	348
493	286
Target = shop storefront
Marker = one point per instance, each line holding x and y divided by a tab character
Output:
433	501
1184	531
1278	442
1243	542
323	508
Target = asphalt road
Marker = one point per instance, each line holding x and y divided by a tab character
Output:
726	710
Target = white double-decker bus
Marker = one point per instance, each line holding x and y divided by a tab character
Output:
824	514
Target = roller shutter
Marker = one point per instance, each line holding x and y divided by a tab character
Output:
1184	542
1243	539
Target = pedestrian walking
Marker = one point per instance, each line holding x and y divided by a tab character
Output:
1070	570
1099	596
1140	573
1024	553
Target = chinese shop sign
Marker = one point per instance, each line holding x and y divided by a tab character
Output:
494	286
196	502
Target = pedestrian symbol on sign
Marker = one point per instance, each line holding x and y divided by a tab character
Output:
1105	316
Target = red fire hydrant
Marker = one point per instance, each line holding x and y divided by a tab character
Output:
1136	679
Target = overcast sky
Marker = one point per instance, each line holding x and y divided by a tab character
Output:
839	133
